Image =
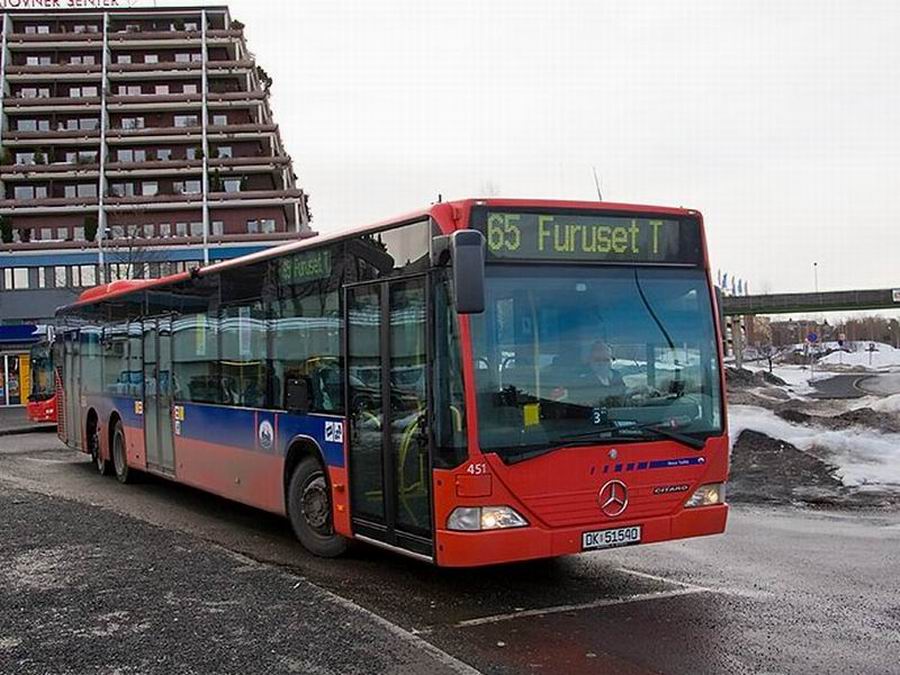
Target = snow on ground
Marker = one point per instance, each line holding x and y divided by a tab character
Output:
885	356
863	457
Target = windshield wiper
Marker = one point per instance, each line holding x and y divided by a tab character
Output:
642	429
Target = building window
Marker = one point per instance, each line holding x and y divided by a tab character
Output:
164	154
197	229
218	228
191	26
161	89
30	192
123	58
83	59
62	233
88	275
85	28
38	61
17	278
81	157
130	90
185	120
253	226
151	58
59	273
232	184
41	277
37	30
132	122
132	28
189	88
224	152
34	92
24	158
220	120
267	225
187	186
181	229
122	190
149	188
78	233
148	230
83	91
46	233
129	155
165	229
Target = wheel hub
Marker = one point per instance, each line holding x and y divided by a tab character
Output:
315	504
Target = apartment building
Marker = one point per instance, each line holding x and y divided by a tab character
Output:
134	142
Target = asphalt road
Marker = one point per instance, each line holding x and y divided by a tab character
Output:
101	577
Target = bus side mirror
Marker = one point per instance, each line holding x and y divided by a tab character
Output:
467	257
297	394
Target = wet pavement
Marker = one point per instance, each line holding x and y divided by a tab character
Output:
784	590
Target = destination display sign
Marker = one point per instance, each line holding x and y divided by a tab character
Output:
513	235
305	266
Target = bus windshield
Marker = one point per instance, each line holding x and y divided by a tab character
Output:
564	353
42	386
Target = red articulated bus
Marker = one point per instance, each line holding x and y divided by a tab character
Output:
479	382
41	406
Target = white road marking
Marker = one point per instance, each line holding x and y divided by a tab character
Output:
665	580
411	638
561	609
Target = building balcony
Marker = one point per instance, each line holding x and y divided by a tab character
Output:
169	69
57	138
63	71
119	39
20	172
195	166
59	39
51	104
170	38
158	202
156	242
181	134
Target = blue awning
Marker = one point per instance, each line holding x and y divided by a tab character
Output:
25	332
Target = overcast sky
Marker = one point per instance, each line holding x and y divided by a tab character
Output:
780	121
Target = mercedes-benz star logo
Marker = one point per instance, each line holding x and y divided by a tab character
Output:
613	498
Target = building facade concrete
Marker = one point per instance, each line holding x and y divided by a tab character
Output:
134	143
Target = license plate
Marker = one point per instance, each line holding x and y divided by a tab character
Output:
620	536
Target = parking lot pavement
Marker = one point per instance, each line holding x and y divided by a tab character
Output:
84	589
784	590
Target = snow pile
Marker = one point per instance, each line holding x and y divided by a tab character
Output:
796	377
884	356
863	457
891	404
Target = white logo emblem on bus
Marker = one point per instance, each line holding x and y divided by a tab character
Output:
613	498
266	434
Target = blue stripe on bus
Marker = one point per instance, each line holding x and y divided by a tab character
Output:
125	406
243	428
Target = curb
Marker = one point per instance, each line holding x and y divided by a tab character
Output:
21	431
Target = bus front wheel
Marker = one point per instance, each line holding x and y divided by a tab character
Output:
310	510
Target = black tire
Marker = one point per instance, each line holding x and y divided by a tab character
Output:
103	466
119	456
310	510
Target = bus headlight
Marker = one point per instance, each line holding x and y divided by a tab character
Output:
475	518
707	495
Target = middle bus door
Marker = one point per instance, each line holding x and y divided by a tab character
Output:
158	394
387	385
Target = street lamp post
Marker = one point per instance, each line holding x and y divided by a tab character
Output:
816	275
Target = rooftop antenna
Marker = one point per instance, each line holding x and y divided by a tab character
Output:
597	184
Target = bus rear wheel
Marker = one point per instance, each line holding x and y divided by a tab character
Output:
310	509
100	462
120	459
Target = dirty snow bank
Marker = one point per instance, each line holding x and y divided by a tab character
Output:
863	457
